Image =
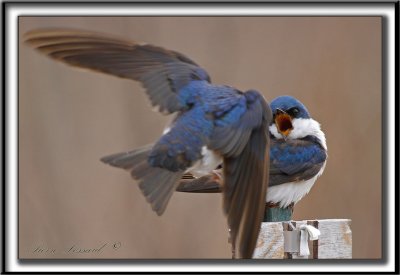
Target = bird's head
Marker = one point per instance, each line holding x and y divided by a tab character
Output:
286	111
292	120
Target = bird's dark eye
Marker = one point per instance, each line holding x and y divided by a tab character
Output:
293	111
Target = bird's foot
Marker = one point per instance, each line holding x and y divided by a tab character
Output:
217	175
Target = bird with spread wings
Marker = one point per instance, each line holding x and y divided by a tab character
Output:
213	124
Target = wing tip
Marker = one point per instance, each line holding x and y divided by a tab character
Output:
37	36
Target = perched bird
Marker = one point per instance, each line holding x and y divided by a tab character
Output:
213	124
298	155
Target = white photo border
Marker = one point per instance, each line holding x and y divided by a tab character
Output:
11	12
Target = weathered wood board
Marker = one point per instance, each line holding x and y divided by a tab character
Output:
270	241
335	241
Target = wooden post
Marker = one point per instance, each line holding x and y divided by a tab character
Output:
274	213
335	241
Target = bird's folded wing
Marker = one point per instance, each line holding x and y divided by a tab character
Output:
246	155
162	72
295	160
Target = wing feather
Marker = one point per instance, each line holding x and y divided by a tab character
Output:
246	181
295	160
162	72
245	147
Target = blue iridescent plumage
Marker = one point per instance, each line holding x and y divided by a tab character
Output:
295	160
292	158
288	102
208	107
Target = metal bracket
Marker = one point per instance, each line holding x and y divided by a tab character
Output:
291	241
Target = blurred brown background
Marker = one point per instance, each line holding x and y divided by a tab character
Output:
69	119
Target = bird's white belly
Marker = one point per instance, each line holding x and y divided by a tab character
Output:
286	193
208	163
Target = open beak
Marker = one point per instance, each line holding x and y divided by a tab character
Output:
283	122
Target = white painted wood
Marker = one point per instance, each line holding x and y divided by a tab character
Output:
335	241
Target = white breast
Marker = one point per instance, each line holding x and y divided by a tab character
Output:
286	193
302	128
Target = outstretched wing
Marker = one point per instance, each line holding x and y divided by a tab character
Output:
245	148
162	72
295	160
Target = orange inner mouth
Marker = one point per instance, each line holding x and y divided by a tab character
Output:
284	123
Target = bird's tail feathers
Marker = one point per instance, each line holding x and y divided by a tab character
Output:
128	160
156	184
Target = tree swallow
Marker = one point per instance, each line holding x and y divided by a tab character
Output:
298	155
298	151
213	124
